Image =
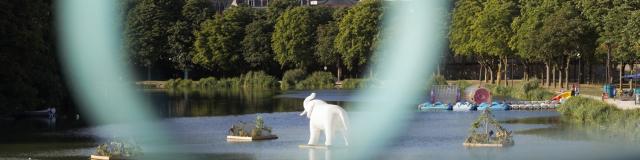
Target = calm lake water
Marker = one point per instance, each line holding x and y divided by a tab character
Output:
198	122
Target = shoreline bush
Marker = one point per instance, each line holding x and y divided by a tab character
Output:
291	78
251	79
317	80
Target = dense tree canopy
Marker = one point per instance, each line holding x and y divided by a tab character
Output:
358	30
293	36
218	42
146	30
30	76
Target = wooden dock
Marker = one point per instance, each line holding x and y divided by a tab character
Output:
533	105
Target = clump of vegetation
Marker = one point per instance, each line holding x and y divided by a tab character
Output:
317	80
463	84
119	148
439	80
588	110
292	77
356	83
258	79
529	90
485	134
256	129
249	80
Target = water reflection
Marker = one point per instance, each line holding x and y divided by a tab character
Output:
316	154
219	102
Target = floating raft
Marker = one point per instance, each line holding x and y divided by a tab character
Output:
316	146
96	157
533	105
248	139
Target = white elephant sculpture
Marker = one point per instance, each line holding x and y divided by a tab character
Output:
325	117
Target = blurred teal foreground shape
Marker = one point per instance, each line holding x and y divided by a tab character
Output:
94	64
412	42
407	55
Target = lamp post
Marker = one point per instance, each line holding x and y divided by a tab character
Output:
579	69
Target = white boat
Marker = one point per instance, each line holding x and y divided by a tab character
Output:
463	106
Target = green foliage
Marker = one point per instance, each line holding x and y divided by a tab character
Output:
439	80
146	29
292	77
358	32
250	129
277	7
587	110
292	37
317	80
325	50
461	39
119	148
529	90
217	42
485	122
30	76
181	37
256	80
462	84
358	83
257	44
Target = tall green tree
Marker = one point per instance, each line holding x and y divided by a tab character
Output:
218	42
493	31
30	76
358	32
461	31
181	33
293	35
326	53
567	33
256	44
275	8
146	30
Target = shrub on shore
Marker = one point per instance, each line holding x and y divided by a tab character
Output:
291	78
317	80
529	90
588	110
249	80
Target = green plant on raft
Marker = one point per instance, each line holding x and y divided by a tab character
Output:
439	80
119	147
256	129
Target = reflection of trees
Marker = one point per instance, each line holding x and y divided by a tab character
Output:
220	102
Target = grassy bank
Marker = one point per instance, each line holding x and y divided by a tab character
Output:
587	110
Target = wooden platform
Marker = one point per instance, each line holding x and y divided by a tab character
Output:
319	146
248	139
95	157
485	145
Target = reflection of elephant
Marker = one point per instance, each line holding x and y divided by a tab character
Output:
327	117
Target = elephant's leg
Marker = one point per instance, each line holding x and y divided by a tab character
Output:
314	134
344	135
329	131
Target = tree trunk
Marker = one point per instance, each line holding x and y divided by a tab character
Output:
566	73
622	65
499	72
553	76
491	76
608	73
506	71
339	72
480	76
632	72
560	76
525	73
185	73
547	83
